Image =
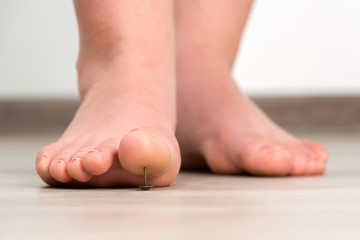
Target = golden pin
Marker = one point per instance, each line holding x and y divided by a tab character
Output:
145	186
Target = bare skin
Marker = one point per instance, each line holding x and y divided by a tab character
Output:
126	120
216	121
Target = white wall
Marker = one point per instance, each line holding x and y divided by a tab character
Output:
38	48
291	47
301	47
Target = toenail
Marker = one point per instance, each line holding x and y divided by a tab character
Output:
91	151
41	158
60	161
75	159
273	149
134	129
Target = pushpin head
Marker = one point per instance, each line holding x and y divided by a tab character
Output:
146	187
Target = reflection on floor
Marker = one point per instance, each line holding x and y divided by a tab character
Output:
196	206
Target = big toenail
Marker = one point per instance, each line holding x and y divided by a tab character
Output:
145	186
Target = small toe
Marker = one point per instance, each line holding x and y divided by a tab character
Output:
318	149
268	161
100	159
299	166
43	161
321	166
58	170
312	167
76	170
58	166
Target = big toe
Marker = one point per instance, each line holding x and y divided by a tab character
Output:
158	153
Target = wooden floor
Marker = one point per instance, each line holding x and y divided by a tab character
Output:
196	206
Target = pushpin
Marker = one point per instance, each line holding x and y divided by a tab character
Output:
145	186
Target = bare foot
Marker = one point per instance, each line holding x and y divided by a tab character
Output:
215	120
126	120
113	136
218	122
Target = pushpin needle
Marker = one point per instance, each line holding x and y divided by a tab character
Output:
145	186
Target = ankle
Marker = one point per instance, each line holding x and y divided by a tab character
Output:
92	63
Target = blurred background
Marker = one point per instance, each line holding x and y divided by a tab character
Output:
290	48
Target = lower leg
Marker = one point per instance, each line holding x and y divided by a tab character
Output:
126	119
216	119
